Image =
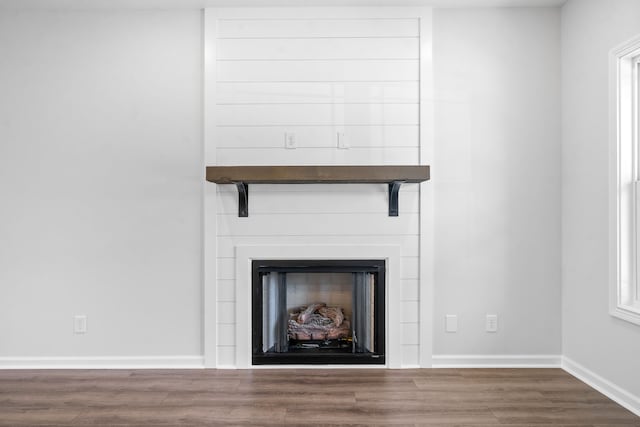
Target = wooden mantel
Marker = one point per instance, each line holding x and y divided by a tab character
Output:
242	176
316	174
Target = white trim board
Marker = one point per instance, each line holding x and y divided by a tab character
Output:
619	395
322	12
115	362
246	253
209	198
427	214
623	207
497	361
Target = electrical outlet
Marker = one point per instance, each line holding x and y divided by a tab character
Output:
451	323
80	324
492	323
290	141
343	143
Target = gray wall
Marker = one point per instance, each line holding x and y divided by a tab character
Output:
497	180
100	182
607	346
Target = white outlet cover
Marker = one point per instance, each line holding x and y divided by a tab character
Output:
80	324
451	323
492	323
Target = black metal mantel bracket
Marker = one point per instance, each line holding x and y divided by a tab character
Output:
394	189
243	198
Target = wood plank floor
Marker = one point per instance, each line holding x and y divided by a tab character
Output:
427	397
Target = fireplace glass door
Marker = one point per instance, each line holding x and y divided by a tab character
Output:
318	312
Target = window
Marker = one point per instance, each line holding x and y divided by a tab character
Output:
625	182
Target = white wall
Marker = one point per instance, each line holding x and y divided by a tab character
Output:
101	172
101	176
606	346
497	180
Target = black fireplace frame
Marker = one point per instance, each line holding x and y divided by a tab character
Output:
262	267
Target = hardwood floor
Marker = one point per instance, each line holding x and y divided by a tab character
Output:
428	397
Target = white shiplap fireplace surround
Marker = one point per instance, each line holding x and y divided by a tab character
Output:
320	74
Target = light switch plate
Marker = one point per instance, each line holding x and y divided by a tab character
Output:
343	143
290	141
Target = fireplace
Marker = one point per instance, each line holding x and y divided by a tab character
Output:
318	312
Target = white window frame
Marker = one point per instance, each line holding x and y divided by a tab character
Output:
624	169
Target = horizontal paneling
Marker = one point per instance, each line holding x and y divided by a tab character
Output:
410	288
226	290
320	188
226	312
315	78
409	244
317	202
317	224
410	333
314	28
325	48
318	71
318	156
377	136
317	114
410	355
227	334
410	267
226	355
226	271
410	313
316	92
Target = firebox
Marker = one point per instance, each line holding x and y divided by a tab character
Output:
318	312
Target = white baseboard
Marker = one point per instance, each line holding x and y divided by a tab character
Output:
116	362
609	389
497	361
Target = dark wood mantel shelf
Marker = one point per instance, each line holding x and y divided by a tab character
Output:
242	176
